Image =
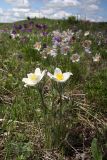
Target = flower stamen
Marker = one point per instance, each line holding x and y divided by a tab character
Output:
59	76
33	77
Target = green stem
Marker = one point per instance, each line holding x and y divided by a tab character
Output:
60	92
45	116
42	99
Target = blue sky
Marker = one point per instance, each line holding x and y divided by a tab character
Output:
14	10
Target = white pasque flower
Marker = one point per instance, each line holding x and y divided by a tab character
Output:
59	76
75	57
14	35
86	33
52	52
37	46
87	50
96	58
34	78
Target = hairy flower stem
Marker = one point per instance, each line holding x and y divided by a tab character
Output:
43	107
45	117
60	91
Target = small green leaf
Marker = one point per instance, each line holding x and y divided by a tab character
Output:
96	150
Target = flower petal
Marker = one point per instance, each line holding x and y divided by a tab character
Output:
50	75
29	75
28	82
66	76
42	75
37	71
57	71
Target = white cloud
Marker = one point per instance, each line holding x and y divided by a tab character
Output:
10	1
63	3
96	19
94	7
16	14
47	11
19	10
19	3
1	11
33	14
89	6
23	10
52	9
71	2
59	15
23	3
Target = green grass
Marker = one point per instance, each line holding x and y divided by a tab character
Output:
68	126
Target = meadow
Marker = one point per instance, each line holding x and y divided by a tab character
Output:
53	90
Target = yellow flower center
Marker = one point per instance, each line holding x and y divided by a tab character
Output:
33	77
59	76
